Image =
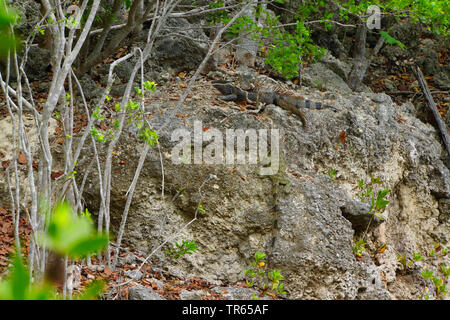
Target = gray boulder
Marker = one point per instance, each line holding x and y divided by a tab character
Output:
140	292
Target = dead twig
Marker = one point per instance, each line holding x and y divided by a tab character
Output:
426	91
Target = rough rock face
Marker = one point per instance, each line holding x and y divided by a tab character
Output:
182	46
318	216
29	15
327	75
7	152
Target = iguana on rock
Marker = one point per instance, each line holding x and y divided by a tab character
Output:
285	100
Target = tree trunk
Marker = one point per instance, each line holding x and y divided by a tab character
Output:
361	60
247	47
360	64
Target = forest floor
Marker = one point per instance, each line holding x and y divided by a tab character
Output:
117	284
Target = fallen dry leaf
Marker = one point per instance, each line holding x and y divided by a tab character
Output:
21	158
107	271
5	164
56	174
343	136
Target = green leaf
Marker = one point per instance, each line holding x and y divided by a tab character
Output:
392	41
17	285
445	271
427	274
69	234
92	292
8	16
361	184
85	247
132	105
185	247
20	279
381	203
8	42
417	256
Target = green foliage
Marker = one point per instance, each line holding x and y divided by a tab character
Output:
17	286
180	249
319	85
8	40
392	41
71	235
417	257
41	30
149	136
118	108
127	3
432	13
97	135
257	272
438	249
406	263
67	235
97	114
276	277
284	51
201	209
137	117
139	92
8	16
331	173
377	206
359	248
92	291
71	174
217	16
439	279
377	198
288	51
150	86
132	105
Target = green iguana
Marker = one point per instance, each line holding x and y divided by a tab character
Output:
284	99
